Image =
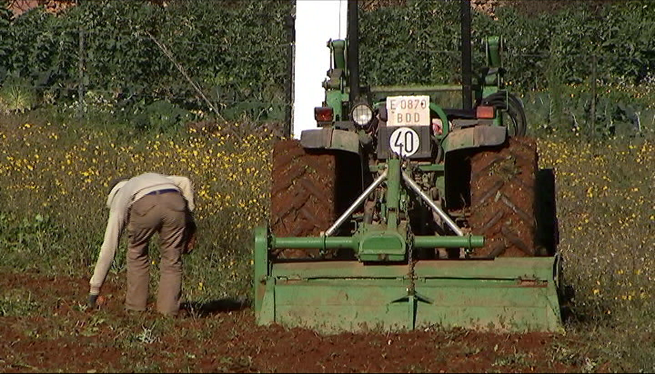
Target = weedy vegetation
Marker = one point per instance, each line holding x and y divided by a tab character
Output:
54	185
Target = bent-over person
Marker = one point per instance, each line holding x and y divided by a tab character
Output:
147	204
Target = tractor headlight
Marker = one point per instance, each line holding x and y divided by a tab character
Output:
362	114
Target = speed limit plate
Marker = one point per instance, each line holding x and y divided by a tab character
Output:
404	142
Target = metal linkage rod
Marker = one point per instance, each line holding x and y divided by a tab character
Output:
356	204
410	182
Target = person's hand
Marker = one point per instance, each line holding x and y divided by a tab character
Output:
91	302
190	237
190	244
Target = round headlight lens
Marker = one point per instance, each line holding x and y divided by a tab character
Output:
362	114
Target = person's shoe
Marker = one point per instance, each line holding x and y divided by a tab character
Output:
182	313
91	301
134	312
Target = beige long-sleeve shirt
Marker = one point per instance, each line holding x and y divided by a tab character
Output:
119	201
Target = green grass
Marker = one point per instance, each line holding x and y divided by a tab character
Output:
17	302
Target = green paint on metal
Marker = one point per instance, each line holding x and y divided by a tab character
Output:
334	307
421	167
501	269
467	241
334	98
261	264
459	139
268	312
393	192
476	136
339	53
493	49
345	141
513	294
330	138
367	238
493	80
380	244
431	167
415	89
413	307
318	242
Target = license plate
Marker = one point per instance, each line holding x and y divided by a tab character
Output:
408	110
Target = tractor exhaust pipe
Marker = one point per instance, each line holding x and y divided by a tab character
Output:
353	50
467	90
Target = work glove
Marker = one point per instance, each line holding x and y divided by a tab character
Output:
91	301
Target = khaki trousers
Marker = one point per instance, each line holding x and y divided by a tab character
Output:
164	214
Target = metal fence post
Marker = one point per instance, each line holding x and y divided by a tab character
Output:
291	40
593	95
80	68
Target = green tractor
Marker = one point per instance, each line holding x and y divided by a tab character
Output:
396	213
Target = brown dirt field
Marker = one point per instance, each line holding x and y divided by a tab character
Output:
58	335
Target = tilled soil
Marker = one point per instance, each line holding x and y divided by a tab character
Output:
45	328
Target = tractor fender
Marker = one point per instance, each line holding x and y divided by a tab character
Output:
330	138
475	136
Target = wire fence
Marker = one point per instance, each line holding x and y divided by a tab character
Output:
581	107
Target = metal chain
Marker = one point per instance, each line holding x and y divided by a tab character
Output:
411	290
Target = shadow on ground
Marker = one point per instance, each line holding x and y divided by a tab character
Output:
216	306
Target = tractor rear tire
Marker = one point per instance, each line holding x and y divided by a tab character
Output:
546	212
302	195
503	199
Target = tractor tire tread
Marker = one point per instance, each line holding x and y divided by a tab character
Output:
302	194
503	198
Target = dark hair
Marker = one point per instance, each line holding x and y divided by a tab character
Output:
115	181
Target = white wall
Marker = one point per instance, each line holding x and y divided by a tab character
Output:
317	21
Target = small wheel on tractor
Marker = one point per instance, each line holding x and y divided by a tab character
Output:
503	199
511	111
302	195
